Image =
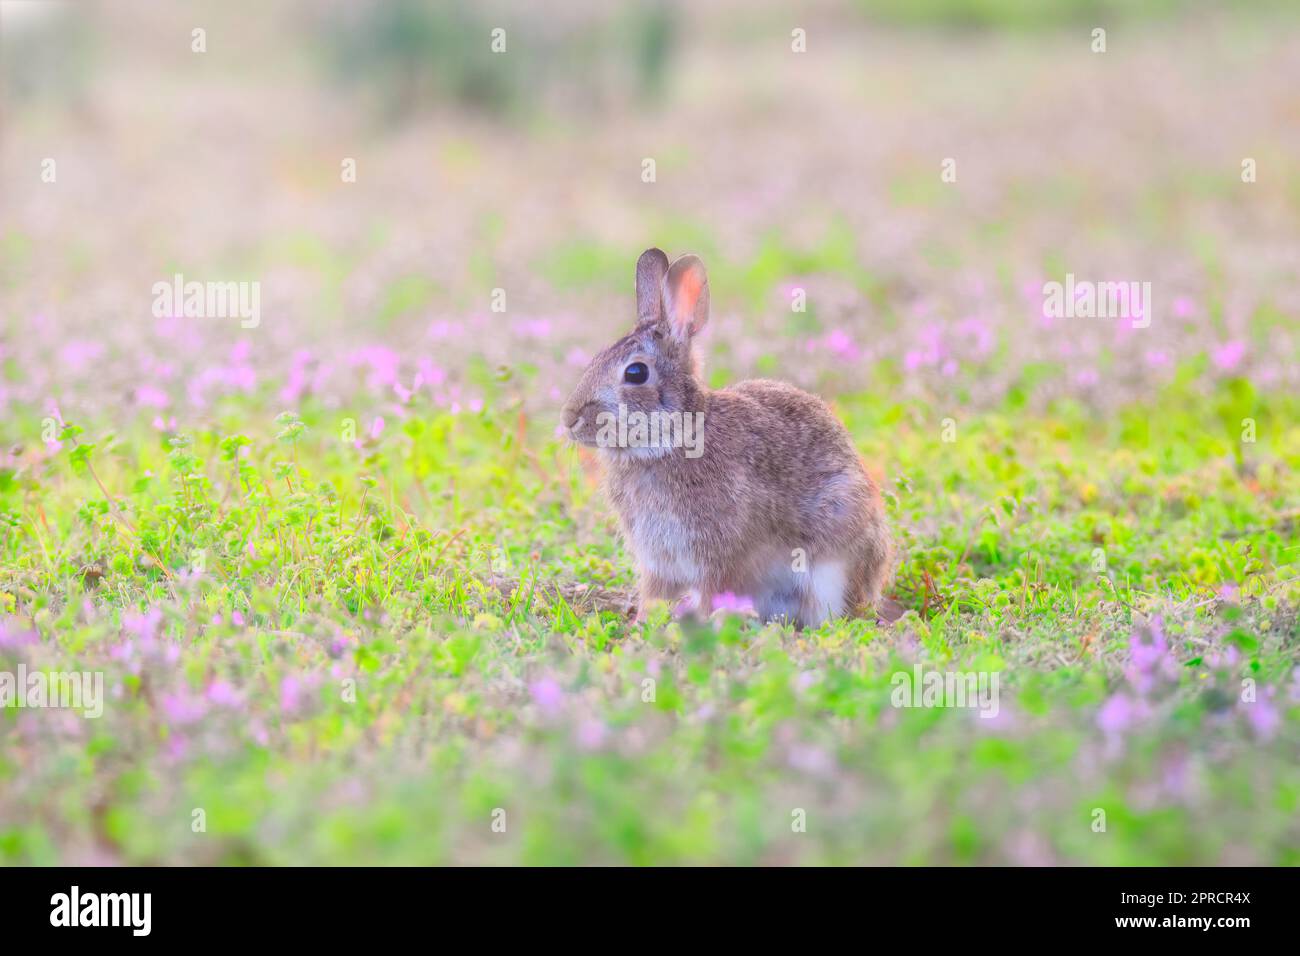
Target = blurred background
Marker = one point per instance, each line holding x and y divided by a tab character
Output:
524	171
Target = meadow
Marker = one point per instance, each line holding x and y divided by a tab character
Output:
357	600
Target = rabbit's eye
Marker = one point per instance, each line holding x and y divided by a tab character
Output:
636	374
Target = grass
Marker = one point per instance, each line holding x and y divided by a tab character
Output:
367	650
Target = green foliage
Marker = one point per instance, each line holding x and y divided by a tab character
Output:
410	56
383	644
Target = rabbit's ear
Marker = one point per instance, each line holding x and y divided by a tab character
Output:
686	297
650	271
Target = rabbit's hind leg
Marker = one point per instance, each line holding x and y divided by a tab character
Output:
780	599
824	591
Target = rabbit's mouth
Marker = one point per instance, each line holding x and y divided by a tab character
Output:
580	432
589	437
636	434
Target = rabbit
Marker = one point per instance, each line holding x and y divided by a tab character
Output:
754	490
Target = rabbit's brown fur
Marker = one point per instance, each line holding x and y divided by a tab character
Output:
773	503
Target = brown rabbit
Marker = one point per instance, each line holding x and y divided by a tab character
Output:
754	490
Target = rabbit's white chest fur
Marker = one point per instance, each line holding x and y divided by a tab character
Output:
661	541
660	537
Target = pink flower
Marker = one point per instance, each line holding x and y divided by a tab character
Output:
548	695
1264	718
533	328
1027	848
183	710
1116	715
810	760
839	342
297	382
1229	355
592	735
151	397
442	329
291	690
12	640
428	374
1175	775
1146	654
1000	720
223	695
77	355
144	626
727	601
931	351
383	363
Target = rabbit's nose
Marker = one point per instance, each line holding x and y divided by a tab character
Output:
571	417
